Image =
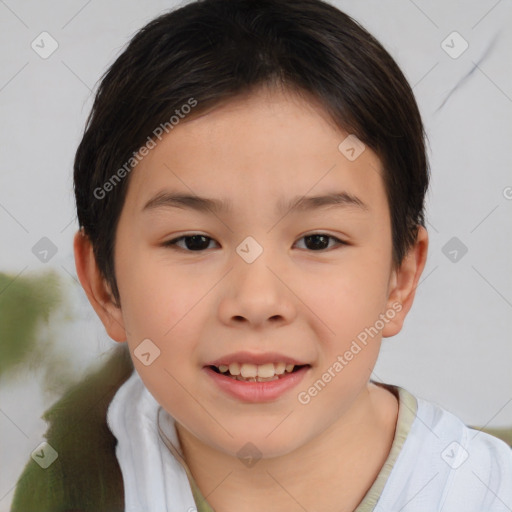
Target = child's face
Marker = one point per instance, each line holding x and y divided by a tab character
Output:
301	299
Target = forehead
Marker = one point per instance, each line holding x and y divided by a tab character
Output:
261	149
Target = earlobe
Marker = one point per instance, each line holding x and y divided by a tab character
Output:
96	288
404	281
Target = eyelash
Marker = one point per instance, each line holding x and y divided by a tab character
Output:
173	243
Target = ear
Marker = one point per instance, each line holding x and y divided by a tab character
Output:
403	283
96	288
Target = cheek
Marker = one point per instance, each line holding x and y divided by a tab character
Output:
158	304
155	297
351	298
349	305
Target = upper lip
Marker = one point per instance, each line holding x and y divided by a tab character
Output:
255	358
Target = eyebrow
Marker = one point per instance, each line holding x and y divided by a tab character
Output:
299	203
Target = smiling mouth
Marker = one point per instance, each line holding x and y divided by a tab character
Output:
247	372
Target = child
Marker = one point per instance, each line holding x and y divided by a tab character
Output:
250	193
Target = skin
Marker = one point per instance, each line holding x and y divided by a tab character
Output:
309	304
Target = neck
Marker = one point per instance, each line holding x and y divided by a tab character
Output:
310	477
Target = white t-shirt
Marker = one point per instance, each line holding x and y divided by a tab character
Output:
436	463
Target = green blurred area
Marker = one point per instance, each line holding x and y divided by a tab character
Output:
25	305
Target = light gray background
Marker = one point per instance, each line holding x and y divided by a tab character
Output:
456	346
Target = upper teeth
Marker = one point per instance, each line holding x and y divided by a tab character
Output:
266	370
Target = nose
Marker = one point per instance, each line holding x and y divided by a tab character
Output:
256	294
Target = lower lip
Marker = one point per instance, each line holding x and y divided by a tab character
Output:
257	391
